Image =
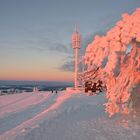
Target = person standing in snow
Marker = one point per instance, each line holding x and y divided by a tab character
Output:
94	88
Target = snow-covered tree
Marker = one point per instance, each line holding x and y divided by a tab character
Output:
119	63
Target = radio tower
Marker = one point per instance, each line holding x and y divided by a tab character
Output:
76	44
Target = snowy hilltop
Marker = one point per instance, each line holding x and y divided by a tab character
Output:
117	54
61	116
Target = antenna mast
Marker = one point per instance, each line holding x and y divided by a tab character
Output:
76	44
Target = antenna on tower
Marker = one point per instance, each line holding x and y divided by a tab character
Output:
76	44
76	28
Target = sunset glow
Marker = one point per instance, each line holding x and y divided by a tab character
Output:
35	37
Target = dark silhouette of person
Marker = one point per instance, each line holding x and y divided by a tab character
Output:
99	85
94	87
88	86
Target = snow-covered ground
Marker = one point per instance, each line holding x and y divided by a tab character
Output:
62	116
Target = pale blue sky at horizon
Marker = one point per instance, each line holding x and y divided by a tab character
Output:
35	35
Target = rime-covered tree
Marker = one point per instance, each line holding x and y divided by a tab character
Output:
119	64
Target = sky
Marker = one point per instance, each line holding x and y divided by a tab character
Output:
35	35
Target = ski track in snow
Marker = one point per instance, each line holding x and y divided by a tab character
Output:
12	120
83	118
6	101
16	123
19	102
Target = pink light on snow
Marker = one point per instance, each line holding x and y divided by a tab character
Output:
122	70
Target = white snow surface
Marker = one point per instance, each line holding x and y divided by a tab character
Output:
62	116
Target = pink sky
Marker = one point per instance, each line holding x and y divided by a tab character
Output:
35	36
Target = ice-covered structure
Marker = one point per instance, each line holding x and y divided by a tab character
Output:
117	54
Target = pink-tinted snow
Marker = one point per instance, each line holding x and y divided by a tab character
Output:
35	120
17	102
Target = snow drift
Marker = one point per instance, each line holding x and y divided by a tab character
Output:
118	56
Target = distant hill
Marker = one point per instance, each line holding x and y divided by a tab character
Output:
35	83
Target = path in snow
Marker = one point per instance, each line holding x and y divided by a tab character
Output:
30	109
15	123
68	117
17	102
82	117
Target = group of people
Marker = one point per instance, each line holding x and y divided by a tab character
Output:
93	86
54	91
